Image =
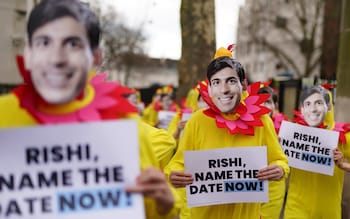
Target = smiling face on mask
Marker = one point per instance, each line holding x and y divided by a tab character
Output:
59	59
225	89
314	109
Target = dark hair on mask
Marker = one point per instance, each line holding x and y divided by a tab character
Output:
315	90
50	10
223	62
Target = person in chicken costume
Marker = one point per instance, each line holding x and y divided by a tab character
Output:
164	101
235	118
314	195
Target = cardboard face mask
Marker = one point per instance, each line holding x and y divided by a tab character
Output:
225	90
314	109
59	59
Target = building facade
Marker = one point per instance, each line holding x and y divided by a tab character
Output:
280	38
13	16
151	72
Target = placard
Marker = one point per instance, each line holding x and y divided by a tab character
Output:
71	171
164	118
226	175
308	148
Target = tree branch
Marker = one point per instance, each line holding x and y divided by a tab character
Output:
313	65
278	52
302	18
317	14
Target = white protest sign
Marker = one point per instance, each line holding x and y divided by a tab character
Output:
164	118
308	148
70	171
226	175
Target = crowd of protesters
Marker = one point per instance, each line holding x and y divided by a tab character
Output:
219	113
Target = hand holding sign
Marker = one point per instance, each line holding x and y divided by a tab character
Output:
181	124
339	161
152	184
180	179
271	172
180	127
338	157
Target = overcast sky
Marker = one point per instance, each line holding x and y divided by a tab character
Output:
161	23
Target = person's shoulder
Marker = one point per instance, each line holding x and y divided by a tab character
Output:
9	102
142	125
198	114
145	132
148	131
197	117
9	98
266	118
12	115
267	121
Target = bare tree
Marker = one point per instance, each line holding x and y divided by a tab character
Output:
123	46
282	26
198	42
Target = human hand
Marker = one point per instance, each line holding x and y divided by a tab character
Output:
181	124
180	179
338	157
180	127
271	172
152	183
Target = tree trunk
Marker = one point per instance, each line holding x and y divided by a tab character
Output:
198	42
342	102
332	10
343	68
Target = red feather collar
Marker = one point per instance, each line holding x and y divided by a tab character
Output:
106	101
245	117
